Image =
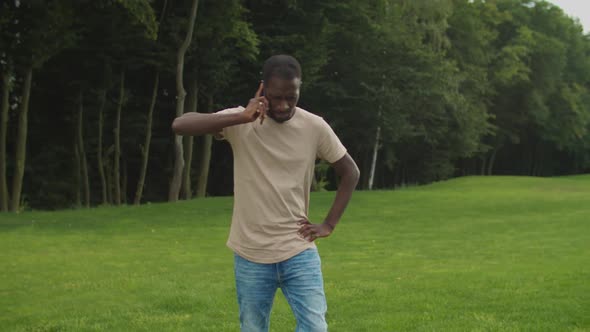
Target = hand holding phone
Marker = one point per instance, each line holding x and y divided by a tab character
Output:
257	106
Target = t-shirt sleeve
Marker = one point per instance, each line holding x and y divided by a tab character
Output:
330	148
228	133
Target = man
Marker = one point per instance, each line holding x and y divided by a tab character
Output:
271	235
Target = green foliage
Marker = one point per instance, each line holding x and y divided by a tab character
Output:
532	79
321	176
510	67
224	40
454	86
299	28
35	31
142	12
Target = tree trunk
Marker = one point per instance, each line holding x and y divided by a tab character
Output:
188	141
124	182
21	143
484	167
176	181
99	152
538	161
77	176
205	159
186	188
374	159
4	201
145	149
204	166
396	176
404	176
82	153
117	133
108	169
366	165
491	162
531	163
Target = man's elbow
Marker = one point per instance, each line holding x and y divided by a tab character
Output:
348	171
355	174
177	126
352	173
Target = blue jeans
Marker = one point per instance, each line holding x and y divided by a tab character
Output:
300	279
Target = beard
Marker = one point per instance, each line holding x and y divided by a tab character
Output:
281	117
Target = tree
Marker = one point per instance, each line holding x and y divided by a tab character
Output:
7	43
42	31
472	33
81	150
533	87
99	150
224	42
191	106
117	43
176	181
6	88
418	91
117	139
145	148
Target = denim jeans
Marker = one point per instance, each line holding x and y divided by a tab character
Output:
300	280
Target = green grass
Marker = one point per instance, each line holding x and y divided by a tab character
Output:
470	254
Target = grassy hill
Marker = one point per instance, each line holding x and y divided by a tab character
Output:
470	254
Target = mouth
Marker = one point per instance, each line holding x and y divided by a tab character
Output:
281	115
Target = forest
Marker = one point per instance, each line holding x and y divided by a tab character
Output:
417	90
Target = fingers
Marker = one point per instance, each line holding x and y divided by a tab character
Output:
259	106
303	222
309	231
263	103
305	231
259	92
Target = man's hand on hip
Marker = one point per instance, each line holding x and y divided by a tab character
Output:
310	231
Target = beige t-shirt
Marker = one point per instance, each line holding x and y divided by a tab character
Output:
273	172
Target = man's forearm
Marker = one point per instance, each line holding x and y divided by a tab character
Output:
204	123
343	195
349	176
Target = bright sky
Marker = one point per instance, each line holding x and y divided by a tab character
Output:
576	8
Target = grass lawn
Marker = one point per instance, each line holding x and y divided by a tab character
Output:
470	254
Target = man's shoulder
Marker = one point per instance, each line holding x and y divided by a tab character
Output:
311	117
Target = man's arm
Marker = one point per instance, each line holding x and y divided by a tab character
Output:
349	174
204	123
195	124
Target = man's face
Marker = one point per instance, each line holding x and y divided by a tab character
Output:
282	96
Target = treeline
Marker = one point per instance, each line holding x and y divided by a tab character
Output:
418	90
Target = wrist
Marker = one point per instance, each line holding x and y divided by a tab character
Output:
329	225
241	118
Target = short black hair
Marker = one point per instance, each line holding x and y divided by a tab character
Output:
281	66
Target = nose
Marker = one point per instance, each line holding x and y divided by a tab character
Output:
283	106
